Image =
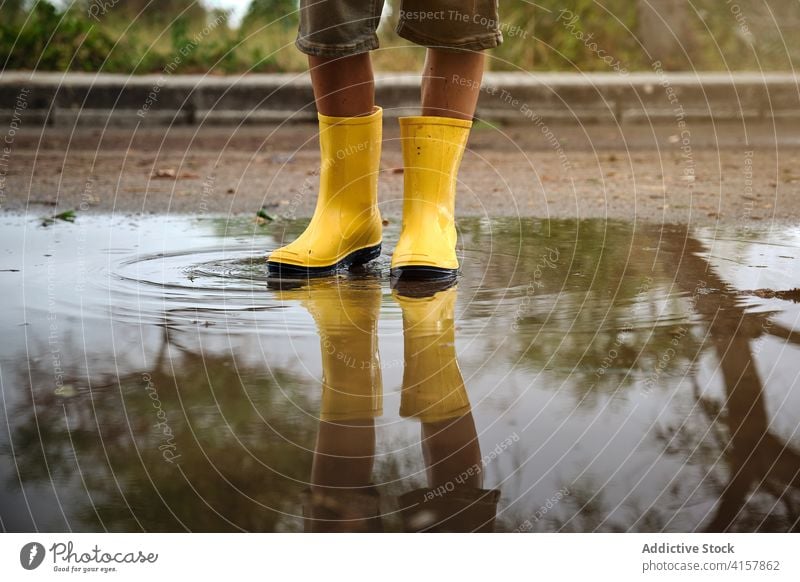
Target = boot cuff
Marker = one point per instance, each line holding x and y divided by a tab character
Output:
433	120
376	115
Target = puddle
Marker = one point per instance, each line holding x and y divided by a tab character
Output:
581	376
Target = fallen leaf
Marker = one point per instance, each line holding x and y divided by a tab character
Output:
66	216
263	215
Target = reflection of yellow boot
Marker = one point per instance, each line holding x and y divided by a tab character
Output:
347	322
346	226
433	388
432	151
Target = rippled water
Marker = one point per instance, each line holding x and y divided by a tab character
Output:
581	376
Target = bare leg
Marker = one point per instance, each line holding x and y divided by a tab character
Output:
451	83
343	87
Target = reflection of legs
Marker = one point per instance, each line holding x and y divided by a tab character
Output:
341	496
451	450
344	453
434	393
454	500
433	388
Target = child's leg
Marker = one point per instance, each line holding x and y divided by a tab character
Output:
337	36
432	148
451	83
455	33
343	87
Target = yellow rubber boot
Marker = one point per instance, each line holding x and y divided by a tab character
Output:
346	316
346	227
433	388
432	151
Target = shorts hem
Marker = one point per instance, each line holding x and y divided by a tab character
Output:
316	49
486	41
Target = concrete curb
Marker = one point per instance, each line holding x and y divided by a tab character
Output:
100	99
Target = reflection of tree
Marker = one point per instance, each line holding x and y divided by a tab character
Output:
235	471
758	460
589	317
750	472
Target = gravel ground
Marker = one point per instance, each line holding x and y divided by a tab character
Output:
729	173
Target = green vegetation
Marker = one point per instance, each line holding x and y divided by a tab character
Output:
43	39
147	36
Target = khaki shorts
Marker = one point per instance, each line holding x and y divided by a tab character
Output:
339	28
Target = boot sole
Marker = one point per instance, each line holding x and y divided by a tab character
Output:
423	273
358	257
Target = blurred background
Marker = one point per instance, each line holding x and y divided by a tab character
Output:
242	36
